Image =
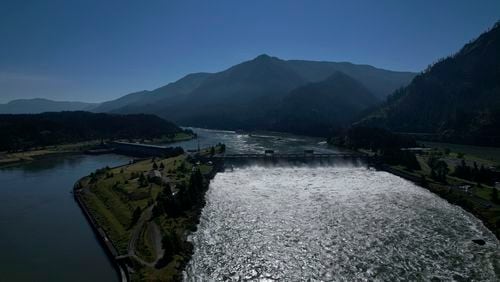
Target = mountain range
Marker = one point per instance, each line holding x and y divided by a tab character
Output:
265	93
457	99
257	94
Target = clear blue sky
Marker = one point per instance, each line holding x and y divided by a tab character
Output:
98	50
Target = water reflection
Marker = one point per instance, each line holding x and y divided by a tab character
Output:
45	236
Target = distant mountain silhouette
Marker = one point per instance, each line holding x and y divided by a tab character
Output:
38	105
457	99
248	95
324	107
148	101
379	81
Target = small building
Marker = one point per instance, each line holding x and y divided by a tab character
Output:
154	174
465	188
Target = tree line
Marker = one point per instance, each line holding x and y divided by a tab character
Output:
26	131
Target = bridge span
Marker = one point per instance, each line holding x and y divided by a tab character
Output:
307	156
288	156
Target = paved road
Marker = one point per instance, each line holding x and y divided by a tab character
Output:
155	236
136	232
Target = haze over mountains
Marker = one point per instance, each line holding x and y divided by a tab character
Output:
457	99
39	105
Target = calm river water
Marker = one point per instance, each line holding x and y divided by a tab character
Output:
44	235
260	223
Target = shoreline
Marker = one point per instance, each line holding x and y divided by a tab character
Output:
102	237
11	159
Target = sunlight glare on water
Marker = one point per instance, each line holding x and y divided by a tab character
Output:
334	223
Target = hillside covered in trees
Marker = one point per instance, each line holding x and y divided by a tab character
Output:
323	108
25	131
455	100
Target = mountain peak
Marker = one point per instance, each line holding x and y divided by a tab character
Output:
264	57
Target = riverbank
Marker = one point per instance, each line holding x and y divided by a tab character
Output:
7	159
14	158
101	236
126	207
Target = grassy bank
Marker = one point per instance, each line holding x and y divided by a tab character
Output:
128	203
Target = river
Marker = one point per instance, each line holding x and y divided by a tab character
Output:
256	142
44	235
327	222
340	223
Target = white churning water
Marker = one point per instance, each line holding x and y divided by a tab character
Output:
334	223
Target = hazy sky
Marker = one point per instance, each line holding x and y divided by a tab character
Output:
98	50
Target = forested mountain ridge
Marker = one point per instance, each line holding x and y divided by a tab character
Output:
457	99
324	107
23	131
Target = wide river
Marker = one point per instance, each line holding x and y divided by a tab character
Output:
335	222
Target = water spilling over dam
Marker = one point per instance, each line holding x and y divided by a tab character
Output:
334	223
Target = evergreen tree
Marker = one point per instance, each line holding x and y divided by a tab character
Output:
171	245
494	196
441	170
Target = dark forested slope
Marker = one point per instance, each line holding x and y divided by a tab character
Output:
457	99
323	107
29	130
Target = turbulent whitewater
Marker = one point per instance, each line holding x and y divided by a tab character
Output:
334	223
